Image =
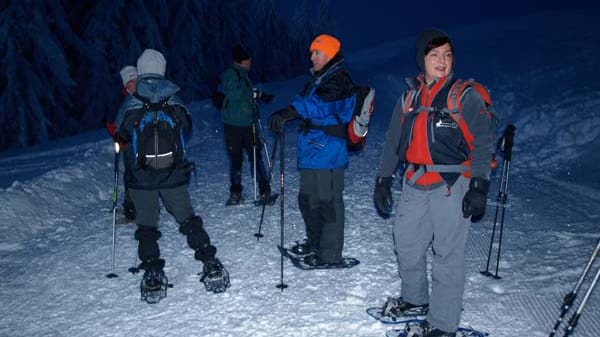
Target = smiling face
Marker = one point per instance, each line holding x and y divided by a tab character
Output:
319	59
438	62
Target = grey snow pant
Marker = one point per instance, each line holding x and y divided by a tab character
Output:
433	217
322	206
177	202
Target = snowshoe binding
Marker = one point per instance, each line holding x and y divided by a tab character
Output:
215	277
397	311
397	307
303	248
153	286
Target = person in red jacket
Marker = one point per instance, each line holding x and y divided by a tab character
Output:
129	80
446	155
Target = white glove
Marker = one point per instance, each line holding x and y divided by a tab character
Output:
361	122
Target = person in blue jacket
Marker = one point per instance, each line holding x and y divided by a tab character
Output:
326	106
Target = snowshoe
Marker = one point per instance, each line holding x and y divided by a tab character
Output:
215	277
235	198
422	328
312	261
153	286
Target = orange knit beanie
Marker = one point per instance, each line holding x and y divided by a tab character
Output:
327	44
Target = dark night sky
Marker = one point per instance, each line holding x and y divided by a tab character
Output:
364	23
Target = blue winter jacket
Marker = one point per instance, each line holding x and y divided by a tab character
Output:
327	100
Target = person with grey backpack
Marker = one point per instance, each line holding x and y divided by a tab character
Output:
155	125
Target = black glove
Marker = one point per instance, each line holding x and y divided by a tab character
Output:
278	118
259	95
475	199
266	98
383	196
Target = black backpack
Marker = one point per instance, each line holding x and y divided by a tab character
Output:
158	140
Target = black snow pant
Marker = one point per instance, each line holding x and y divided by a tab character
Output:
322	206
237	140
177	202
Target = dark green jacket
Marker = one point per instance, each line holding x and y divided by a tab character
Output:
237	107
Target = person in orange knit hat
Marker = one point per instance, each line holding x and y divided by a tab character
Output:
326	106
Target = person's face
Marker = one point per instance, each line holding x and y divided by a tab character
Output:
318	59
130	86
246	64
438	62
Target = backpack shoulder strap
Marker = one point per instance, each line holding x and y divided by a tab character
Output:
454	105
151	106
408	99
459	88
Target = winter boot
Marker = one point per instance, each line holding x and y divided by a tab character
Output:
215	277
129	213
128	207
314	260
153	286
266	198
398	307
235	198
302	248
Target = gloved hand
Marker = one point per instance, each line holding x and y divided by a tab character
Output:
256	93
475	200
382	196
278	118
266	98
111	127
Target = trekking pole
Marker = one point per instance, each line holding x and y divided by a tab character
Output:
575	318
281	285
570	297
114	219
254	158
505	144
261	134
264	205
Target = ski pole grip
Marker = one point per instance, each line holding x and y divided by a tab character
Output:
509	134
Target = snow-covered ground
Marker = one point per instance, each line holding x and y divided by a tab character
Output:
56	220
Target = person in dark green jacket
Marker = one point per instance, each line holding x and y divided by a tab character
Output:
240	128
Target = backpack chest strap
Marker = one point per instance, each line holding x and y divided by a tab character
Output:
420	170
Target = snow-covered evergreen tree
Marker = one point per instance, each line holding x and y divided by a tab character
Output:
186	50
59	71
272	57
35	84
116	34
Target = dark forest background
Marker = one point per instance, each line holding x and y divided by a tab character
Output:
60	59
